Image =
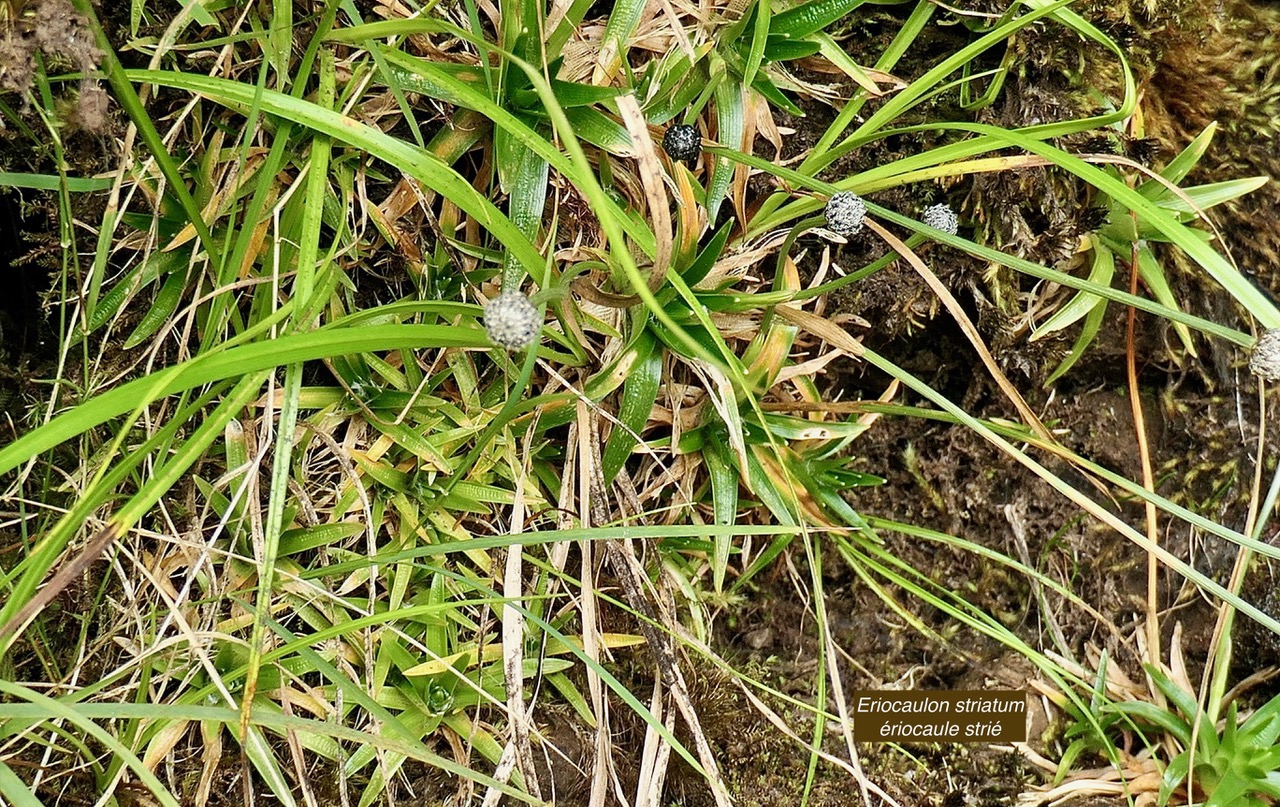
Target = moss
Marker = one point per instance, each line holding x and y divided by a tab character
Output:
1228	71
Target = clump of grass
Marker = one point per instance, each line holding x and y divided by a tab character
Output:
345	531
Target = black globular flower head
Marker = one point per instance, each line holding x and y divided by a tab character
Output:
845	213
942	217
1098	144
1093	218
682	142
1122	33
511	321
1144	149
1264	358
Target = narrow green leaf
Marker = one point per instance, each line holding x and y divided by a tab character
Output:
787	427
156	265
573	696
14	790
568	25
1149	713
811	17
53	182
774	96
759	40
1180	166
1104	268
680	84
624	17
841	59
787	50
707	258
1203	197
724	498
1088	332
198	13
280	41
570	94
730	123
417	162
162	307
527	176
306	538
639	393
600	130
231	363
263	757
1153	275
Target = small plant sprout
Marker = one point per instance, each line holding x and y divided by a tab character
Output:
1264	358
845	213
682	142
512	320
942	217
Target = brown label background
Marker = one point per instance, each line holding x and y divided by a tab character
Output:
940	716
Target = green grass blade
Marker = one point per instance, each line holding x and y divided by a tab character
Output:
1088	332
1180	166
1104	268
236	361
51	182
47	708
1153	275
838	56
600	130
162	307
14	790
811	17
528	198
639	394
730	123
761	25
128	99
417	162
263	759
624	17
1203	197
724	499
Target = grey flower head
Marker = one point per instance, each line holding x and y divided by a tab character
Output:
942	217
511	320
682	142
1264	358
845	213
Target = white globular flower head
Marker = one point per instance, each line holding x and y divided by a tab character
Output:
1264	358
845	213
512	321
942	217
